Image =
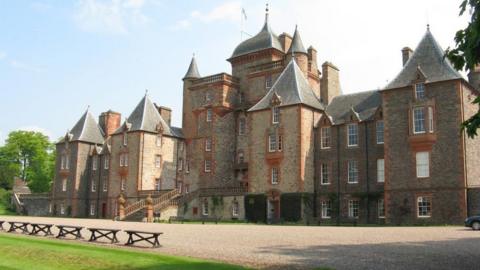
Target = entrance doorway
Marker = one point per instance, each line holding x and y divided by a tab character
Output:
104	210
273	209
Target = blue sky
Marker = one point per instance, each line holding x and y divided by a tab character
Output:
58	57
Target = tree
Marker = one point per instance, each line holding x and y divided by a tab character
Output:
466	54
30	156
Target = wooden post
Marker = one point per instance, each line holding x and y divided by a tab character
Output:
121	207
149	207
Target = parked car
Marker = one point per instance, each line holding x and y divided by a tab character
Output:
473	222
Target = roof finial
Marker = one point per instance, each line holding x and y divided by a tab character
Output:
88	107
428	27
146	92
266	12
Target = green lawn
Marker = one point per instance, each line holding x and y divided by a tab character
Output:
21	252
4	210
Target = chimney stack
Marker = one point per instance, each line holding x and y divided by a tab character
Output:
406	53
286	41
329	83
109	121
166	113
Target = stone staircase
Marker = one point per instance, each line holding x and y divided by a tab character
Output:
159	203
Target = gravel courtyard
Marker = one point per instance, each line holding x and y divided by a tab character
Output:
300	247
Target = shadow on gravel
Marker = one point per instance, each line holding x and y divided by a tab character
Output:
436	255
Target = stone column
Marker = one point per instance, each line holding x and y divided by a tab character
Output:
121	207
149	207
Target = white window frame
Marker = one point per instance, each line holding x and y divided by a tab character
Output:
94	162
208	96
62	162
272	143
123	184
380	170
325	137
424	202
94	185
352	172
64	184
208	144
268	82
422	161
235	209
275	115
275	173
241	158
381	208
187	166
205	208
353	209
180	164
430	120
92	209
125	160
241	126
106	162
125	139
62	209
121	161
207	165
419	86
158	140
380	132
158	161
158	184
324	174
279	143
352	135
420	123
326	209
105	185
209	116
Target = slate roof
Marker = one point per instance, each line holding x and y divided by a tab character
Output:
145	117
292	88
428	56
297	44
87	130
265	39
192	72
362	104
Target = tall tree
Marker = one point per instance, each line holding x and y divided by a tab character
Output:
466	54
30	156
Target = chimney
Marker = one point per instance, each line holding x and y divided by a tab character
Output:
474	77
166	114
109	121
286	41
406	53
329	83
312	60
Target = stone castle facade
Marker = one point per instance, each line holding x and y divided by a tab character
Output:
277	140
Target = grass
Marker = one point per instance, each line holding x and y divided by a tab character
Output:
19	252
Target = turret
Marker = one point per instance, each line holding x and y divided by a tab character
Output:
298	51
187	115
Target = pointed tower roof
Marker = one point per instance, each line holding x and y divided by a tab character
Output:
145	117
87	130
265	39
192	72
290	88
297	44
429	58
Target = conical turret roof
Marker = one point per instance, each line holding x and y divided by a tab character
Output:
192	72
297	44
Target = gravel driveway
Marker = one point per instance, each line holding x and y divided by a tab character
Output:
300	247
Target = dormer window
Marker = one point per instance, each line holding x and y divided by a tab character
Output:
268	82
419	91
125	139
275	115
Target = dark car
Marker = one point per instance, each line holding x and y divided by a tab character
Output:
473	222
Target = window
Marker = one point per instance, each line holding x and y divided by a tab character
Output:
158	161
106	162
418	120
205	207
208	96
325	137
209	115
64	184
187	189
235	209
424	207
62	162
380	170
272	143
62	209
275	115
180	164
94	163
123	160
280	142
326	209
208	144
380	132
157	184
268	82
125	139
208	165
353	206
241	98
158	140
187	166
430	119
105	184
123	184
67	162
352	130
419	91
94	186
92	209
241	126
423	164
352	172
381	208
275	173
241	158
324	174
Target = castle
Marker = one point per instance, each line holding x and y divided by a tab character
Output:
277	140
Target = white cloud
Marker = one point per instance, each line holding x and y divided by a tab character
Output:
109	16
229	11
26	67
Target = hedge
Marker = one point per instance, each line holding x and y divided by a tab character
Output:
256	207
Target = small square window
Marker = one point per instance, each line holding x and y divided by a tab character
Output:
353	208
326	209
208	165
275	175
352	172
379	132
324	174
424	207
325	137
275	115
